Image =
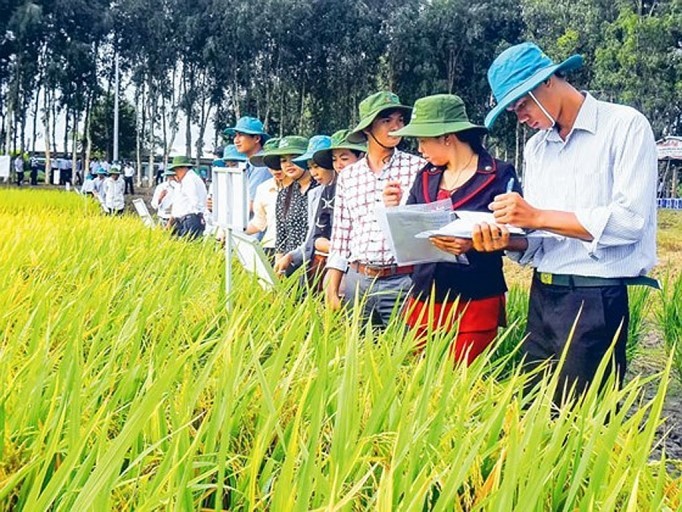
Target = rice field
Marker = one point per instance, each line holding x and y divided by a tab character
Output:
126	385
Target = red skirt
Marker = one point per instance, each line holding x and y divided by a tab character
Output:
478	323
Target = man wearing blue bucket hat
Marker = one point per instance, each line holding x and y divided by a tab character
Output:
590	179
249	137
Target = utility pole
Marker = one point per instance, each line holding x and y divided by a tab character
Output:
116	80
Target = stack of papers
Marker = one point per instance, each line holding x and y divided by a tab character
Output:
402	224
408	229
463	225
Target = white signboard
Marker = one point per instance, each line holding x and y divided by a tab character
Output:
230	197
253	259
5	162
143	212
670	148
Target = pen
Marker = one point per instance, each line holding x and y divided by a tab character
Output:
510	185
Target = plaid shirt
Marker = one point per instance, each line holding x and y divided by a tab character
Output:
356	234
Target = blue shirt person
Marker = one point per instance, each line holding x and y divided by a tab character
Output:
249	137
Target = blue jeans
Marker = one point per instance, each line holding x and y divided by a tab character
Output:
377	297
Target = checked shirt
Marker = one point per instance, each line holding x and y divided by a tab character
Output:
356	234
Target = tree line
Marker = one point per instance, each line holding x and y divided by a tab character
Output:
304	65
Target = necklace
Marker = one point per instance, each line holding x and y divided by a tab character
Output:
459	173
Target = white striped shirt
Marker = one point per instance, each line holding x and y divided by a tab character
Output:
605	172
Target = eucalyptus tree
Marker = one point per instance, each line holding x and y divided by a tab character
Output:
20	55
150	51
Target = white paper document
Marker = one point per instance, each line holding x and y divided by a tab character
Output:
463	225
402	224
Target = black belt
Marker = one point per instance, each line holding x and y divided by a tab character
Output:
574	281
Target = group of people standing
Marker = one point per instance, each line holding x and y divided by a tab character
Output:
588	205
107	187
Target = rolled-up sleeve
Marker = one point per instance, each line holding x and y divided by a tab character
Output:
624	219
527	256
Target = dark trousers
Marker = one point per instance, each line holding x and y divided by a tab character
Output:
34	176
552	315
65	176
20	178
190	226
129	183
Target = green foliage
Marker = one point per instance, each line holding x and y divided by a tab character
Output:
670	319
640	306
517	315
102	123
639	63
303	66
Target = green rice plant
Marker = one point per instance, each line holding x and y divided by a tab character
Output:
508	347
127	385
640	306
669	316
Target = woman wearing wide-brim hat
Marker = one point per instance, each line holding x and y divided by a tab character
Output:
264	216
292	201
470	294
326	159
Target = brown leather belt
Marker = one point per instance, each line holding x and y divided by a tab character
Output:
380	271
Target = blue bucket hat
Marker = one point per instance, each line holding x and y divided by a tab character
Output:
230	154
517	71
249	126
316	143
101	171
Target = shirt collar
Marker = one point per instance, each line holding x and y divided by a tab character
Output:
387	166
586	120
